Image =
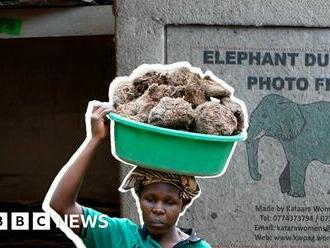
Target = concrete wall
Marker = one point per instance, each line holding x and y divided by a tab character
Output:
276	55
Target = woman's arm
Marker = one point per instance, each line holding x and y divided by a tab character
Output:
64	197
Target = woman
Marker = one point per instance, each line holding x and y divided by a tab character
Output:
162	197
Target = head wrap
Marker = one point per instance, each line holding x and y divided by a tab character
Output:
140	177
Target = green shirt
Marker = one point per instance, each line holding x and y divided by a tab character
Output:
107	232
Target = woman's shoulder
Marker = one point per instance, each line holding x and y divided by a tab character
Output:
200	244
193	240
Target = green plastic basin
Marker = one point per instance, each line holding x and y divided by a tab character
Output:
170	150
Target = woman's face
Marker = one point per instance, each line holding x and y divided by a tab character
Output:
161	205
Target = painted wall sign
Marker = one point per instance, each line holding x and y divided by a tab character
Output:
276	190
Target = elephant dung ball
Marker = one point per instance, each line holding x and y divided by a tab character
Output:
138	109
214	89
173	113
150	78
194	93
215	118
123	93
181	76
157	92
127	109
236	109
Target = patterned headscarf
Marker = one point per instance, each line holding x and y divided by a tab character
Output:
140	177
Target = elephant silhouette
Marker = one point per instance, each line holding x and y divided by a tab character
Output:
302	129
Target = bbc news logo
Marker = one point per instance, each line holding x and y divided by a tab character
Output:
21	221
41	221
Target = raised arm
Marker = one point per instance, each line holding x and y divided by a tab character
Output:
66	186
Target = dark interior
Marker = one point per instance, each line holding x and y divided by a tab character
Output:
46	84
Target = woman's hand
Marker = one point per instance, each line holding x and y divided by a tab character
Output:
97	122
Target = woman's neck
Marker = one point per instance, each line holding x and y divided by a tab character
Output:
170	238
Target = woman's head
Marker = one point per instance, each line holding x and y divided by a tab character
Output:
160	206
162	196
